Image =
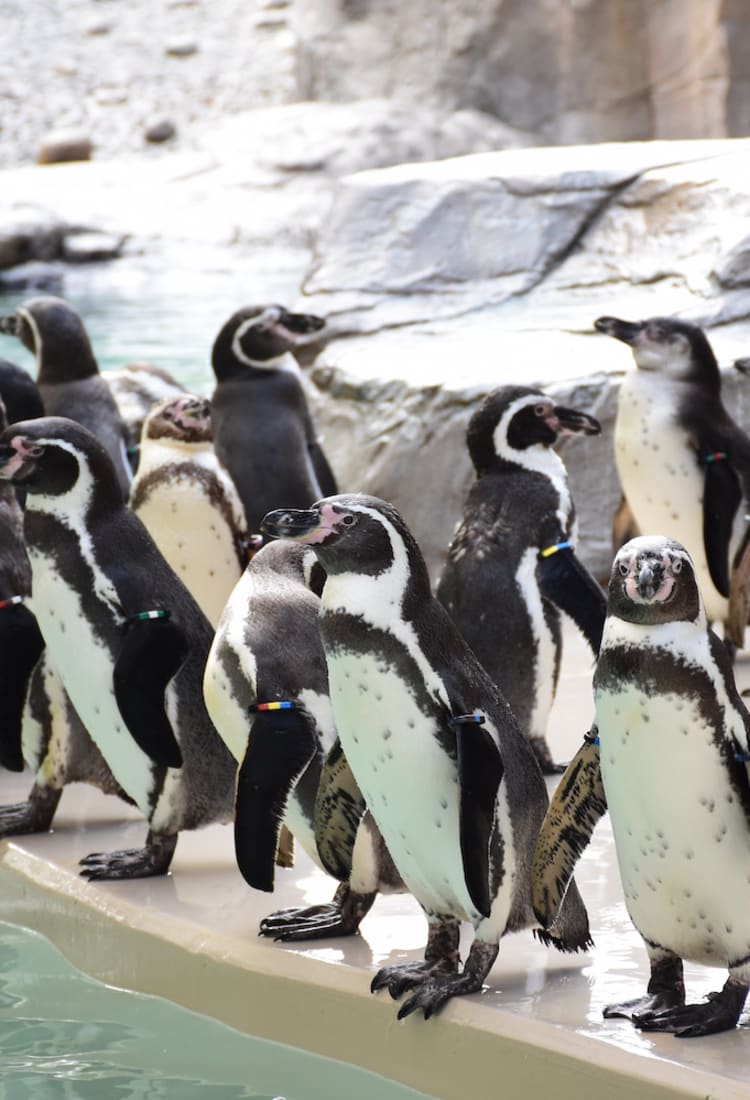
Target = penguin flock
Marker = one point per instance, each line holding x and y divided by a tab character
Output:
195	619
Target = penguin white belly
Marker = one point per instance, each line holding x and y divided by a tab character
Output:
409	783
196	541
543	671
85	665
661	477
680	832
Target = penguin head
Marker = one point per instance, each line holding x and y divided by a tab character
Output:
653	581
52	330
354	533
668	346
259	337
53	456
19	393
185	419
513	419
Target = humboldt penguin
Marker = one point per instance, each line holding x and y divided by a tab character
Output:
512	566
136	387
189	503
68	377
263	430
266	690
669	758
127	639
683	462
450	781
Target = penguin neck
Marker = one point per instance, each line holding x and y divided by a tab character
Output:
238	366
542	460
688	639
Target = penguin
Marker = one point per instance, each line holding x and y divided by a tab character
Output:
267	662
19	392
126	638
68	377
189	503
452	784
511	566
664	690
683	462
136	387
263	430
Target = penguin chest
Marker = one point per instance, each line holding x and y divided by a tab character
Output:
660	474
194	535
681	834
409	782
85	663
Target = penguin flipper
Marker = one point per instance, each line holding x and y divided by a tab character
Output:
568	585
721	499
576	806
281	745
480	773
739	593
151	654
339	807
21	645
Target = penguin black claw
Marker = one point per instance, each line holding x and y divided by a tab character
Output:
153	859
720	1012
34	816
340	917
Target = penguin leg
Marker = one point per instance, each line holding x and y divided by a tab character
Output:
34	816
665	992
432	994
340	917
720	1012
440	958
153	859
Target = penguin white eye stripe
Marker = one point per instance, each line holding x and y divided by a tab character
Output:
28	318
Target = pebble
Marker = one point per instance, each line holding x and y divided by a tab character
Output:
161	130
61	146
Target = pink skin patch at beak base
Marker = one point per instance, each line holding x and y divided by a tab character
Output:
15	464
328	520
663	592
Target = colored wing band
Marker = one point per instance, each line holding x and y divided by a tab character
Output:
550	550
142	616
716	456
285	705
587	737
466	719
11	601
742	757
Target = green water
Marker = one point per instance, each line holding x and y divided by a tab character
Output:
64	1036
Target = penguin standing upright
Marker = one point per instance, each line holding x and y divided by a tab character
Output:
125	636
68	377
683	462
664	691
266	691
189	503
263	431
451	782
136	387
512	564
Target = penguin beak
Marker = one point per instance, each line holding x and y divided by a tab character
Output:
627	331
14	466
573	422
299	328
291	523
10	325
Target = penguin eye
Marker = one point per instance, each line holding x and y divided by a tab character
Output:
624	568
540	410
348	520
36	450
677	566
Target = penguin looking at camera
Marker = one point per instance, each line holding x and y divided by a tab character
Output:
263	430
511	566
68	377
664	690
126	638
189	503
451	783
266	691
683	462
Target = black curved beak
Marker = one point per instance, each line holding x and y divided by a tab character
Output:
627	331
742	365
574	422
299	326
9	324
290	523
650	578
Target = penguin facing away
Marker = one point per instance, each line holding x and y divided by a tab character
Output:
263	430
135	388
266	691
68	377
664	690
511	566
451	783
189	503
125	636
683	462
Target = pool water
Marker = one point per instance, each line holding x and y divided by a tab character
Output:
65	1036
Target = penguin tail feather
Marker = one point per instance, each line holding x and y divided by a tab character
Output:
570	929
570	947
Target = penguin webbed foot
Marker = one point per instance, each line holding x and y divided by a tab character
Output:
340	917
720	1012
405	976
433	993
651	1004
34	816
153	859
